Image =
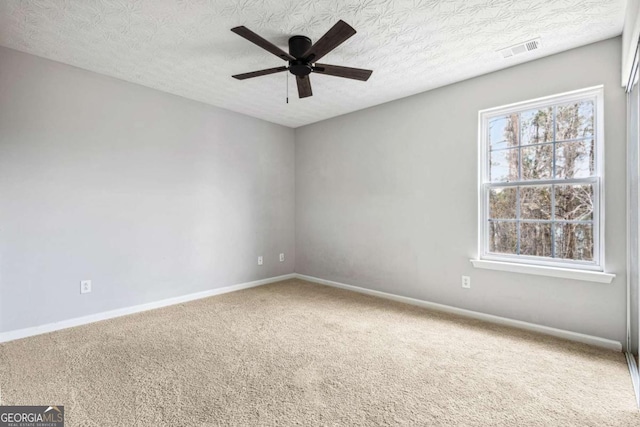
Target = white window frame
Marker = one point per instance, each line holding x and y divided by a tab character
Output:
596	94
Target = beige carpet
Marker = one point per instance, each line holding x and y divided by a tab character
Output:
299	353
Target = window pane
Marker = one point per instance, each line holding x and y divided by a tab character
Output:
503	237
535	202
537	162
503	132
574	241
504	165
575	120
535	239
575	159
540	177
574	202
502	203
537	126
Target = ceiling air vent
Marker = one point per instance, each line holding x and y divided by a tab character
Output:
519	48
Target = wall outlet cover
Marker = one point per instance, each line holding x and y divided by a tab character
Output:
466	282
85	286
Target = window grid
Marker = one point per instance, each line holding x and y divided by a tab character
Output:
543	221
518	200
553	187
594	180
537	144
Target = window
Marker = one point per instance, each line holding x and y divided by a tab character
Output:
541	181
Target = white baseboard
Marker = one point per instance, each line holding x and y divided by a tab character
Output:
64	324
573	336
69	323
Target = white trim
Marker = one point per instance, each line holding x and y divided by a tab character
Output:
596	93
559	98
69	323
635	376
543	270
42	329
572	336
629	209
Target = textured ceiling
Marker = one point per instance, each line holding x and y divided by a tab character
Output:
185	47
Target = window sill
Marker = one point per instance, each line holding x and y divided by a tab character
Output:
565	273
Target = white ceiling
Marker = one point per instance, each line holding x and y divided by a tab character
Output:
185	47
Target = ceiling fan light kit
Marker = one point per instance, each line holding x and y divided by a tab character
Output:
303	55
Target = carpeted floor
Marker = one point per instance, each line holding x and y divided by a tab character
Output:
300	353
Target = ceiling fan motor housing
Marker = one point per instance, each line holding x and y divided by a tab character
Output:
298	45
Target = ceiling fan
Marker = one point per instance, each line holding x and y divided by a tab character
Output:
303	55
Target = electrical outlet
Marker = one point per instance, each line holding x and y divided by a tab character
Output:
260	260
281	257
466	282
85	286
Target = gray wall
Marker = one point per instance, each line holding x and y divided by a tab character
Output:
386	198
149	195
153	196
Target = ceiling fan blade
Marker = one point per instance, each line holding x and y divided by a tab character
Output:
332	39
304	86
265	44
259	73
346	72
